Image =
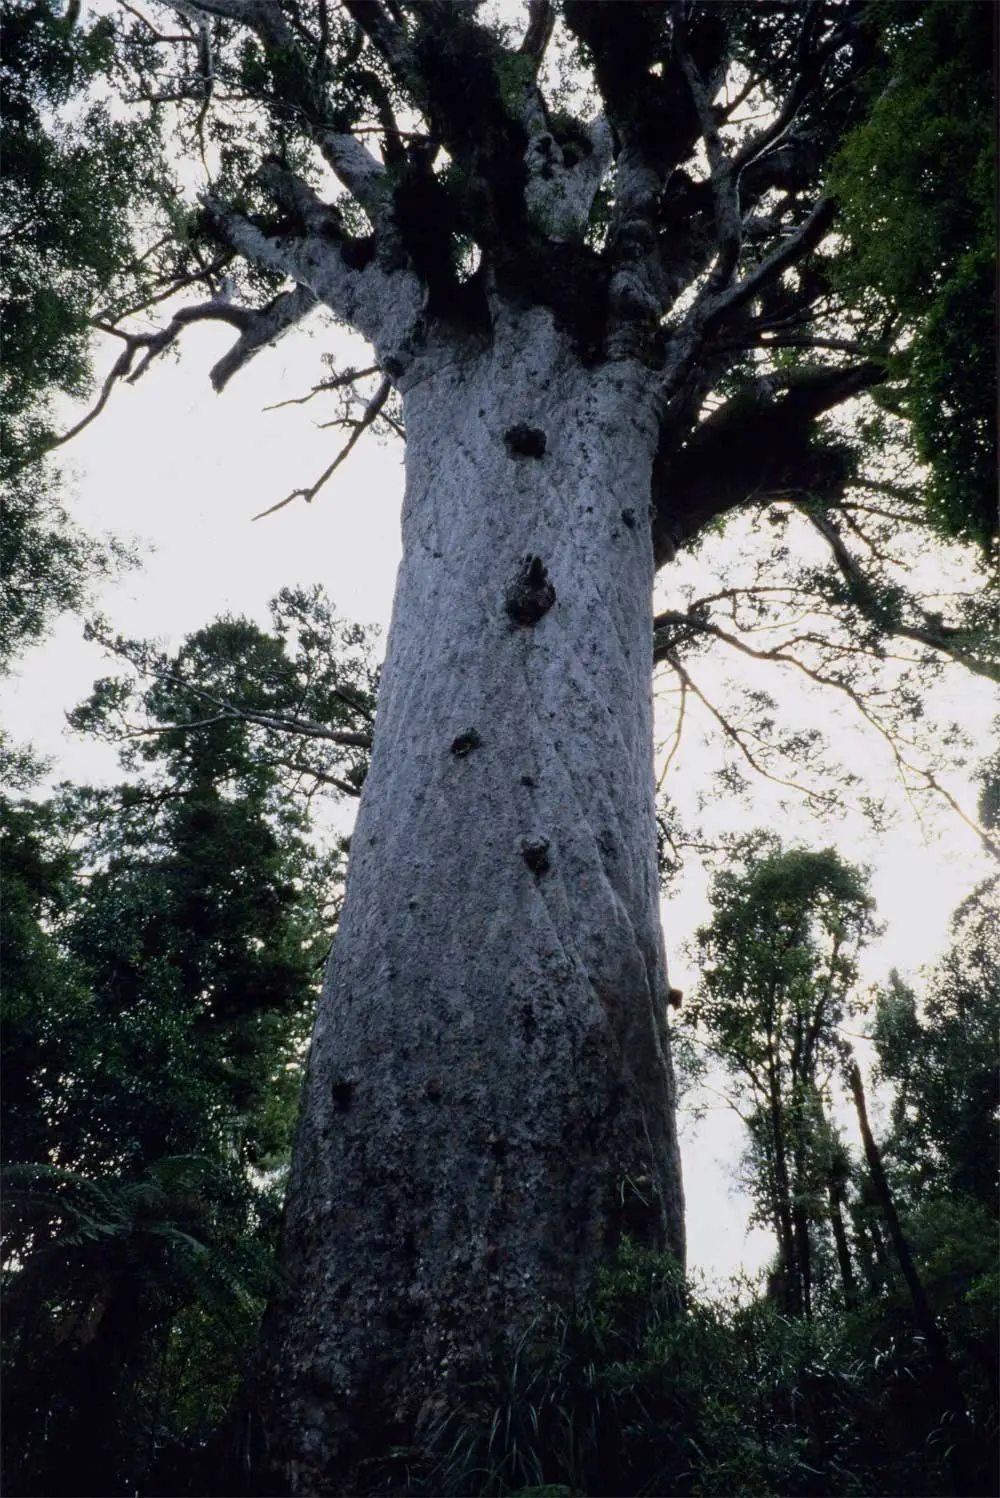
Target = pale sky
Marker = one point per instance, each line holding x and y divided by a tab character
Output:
175	466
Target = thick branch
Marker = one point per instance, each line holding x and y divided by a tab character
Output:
563	179
756	447
384	306
541	19
724	176
263	328
382	29
719	305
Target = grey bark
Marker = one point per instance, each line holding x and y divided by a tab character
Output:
488	1103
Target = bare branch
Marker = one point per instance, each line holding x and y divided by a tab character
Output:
737	739
372	409
932	632
335	382
697	622
678	733
121	367
261	328
304	727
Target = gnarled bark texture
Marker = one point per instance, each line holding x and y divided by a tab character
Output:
488	1102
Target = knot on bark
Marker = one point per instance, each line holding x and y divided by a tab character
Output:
343	1094
523	441
531	594
535	852
465	743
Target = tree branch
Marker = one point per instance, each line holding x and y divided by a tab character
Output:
335	382
737	739
261	328
372	409
354	165
932	631
541	19
385	306
669	622
717	306
724	175
758	446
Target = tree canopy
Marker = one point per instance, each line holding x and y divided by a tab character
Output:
775	296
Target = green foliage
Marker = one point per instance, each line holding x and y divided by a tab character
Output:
940	1057
81	187
779	963
163	941
129	1294
916	188
256	709
47	565
650	1386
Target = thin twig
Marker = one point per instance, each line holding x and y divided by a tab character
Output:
335	382
372	409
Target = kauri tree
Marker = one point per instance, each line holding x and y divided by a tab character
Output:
593	249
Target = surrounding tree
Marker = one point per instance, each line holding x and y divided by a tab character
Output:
941	1059
83	183
778	967
607	294
780	963
162	947
917	191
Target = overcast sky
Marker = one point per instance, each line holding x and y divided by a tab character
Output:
183	470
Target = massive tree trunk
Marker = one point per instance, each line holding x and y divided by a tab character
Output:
488	1103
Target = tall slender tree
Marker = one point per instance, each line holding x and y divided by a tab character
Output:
780	961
